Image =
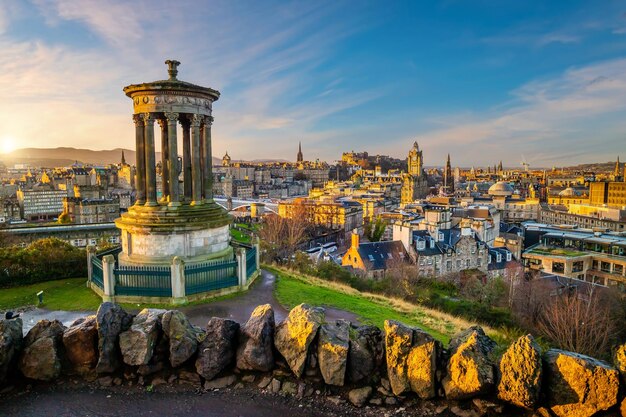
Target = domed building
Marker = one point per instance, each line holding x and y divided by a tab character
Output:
226	160
500	189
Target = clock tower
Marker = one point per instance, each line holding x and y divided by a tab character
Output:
415	161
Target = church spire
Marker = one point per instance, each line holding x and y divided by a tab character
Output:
300	157
123	158
618	169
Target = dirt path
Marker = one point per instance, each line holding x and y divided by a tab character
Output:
237	308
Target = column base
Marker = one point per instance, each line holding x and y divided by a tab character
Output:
151	204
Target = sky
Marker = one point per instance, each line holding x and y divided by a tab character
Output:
535	81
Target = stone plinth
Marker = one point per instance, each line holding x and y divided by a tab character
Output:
155	235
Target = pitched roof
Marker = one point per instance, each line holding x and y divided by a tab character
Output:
377	255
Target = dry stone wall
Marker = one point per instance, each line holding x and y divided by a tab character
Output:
395	366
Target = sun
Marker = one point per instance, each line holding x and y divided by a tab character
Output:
7	144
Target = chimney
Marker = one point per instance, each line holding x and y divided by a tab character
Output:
355	239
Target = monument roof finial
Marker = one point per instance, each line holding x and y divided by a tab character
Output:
172	68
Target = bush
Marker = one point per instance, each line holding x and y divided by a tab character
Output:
43	260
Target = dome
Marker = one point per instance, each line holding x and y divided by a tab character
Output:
500	189
568	192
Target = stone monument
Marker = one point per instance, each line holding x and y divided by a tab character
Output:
184	222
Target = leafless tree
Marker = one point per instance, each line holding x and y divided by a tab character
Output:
580	321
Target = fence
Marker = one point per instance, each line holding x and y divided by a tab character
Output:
251	265
175	281
144	281
210	276
97	276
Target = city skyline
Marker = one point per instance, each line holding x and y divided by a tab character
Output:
540	82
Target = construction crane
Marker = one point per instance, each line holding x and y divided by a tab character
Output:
526	164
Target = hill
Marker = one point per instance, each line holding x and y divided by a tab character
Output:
54	157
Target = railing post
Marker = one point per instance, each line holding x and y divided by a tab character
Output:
179	295
241	267
91	252
108	278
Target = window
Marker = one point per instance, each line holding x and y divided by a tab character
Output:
448	265
458	264
421	245
499	257
468	263
479	262
370	257
508	256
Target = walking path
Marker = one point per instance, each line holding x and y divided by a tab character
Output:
238	308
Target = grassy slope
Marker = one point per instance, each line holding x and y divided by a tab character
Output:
292	289
66	294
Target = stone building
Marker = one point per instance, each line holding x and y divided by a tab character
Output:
414	182
88	211
374	258
336	215
613	194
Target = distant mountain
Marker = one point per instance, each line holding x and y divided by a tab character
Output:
54	157
595	167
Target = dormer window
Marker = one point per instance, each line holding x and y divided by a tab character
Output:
499	258
421	245
440	237
508	256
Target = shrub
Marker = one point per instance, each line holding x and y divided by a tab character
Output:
43	260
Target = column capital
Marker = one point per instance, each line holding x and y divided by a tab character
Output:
171	117
148	118
196	120
208	120
138	119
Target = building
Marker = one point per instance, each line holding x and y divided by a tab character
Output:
337	215
582	254
414	182
79	235
299	157
613	194
41	203
585	216
374	258
88	211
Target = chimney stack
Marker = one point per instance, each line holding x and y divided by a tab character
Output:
355	239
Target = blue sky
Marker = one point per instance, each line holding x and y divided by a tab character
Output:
482	80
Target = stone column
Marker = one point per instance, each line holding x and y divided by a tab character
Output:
140	160
148	120
172	119
178	281
208	159
186	158
108	278
196	169
165	176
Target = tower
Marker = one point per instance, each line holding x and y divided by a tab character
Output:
448	179
123	161
226	160
300	158
415	161
185	223
617	172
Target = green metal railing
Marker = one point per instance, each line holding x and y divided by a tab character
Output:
251	265
210	276
146	281
97	276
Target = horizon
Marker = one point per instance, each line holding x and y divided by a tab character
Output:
540	83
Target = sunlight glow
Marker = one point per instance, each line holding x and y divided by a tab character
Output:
7	144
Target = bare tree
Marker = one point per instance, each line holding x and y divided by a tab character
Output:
580	321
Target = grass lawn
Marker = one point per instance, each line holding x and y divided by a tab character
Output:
292	290
240	236
65	294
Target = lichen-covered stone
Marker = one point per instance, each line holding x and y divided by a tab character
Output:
366	353
422	364
111	320
81	343
295	334
521	373
578	385
411	359
470	371
332	351
183	337
11	343
43	347
217	350
256	341
620	361
137	343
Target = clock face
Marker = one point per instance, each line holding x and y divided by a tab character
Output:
414	158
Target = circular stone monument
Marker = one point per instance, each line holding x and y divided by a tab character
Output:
179	218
